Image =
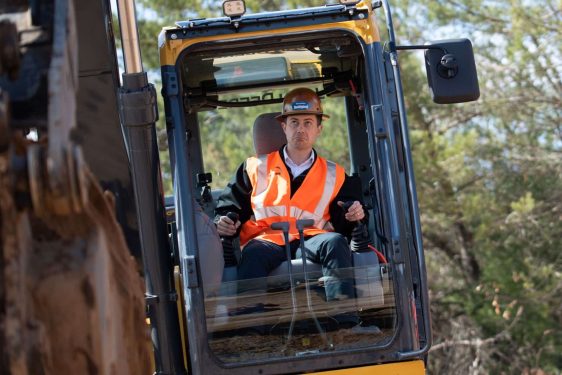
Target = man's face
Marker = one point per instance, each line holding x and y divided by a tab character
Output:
301	131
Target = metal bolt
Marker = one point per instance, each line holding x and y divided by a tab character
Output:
361	16
174	36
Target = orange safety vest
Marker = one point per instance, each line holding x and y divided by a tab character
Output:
272	202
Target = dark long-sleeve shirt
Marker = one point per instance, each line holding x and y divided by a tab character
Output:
236	197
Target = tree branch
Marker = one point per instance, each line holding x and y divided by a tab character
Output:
478	343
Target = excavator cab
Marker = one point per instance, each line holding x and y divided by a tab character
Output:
217	70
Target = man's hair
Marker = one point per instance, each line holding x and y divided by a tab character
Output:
319	118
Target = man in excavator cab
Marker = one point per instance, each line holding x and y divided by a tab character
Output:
291	185
215	73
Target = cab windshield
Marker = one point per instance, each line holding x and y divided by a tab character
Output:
287	313
284	321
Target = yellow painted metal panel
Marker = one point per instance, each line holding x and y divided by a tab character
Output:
170	49
401	368
179	287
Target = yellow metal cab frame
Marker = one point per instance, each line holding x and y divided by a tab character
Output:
191	36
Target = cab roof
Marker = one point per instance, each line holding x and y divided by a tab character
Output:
268	20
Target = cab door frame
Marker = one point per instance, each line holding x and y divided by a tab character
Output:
382	151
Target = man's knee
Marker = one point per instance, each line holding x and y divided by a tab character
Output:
253	250
333	245
336	242
258	259
252	263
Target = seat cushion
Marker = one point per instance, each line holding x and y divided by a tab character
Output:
280	275
268	134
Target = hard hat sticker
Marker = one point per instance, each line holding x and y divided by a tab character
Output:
300	106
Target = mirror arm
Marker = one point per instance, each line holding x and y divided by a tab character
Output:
448	67
420	47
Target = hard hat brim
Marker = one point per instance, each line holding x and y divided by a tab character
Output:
282	116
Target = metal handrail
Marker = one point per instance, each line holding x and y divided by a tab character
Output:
129	36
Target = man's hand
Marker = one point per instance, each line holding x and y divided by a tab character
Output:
227	227
355	212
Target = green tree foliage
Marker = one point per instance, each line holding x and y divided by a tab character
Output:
489	183
488	173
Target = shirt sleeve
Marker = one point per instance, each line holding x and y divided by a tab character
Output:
350	191
236	196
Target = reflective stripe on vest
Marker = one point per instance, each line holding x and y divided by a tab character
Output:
272	202
261	184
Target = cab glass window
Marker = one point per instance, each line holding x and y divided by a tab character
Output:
290	317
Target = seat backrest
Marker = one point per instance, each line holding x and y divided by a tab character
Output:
268	134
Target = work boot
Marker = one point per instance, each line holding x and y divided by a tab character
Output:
361	329
353	322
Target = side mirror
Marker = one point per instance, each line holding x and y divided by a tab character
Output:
451	71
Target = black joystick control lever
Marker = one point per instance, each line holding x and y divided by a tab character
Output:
301	225
285	227
360	235
227	244
233	216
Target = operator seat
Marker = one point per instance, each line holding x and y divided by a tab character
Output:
368	276
269	137
268	133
